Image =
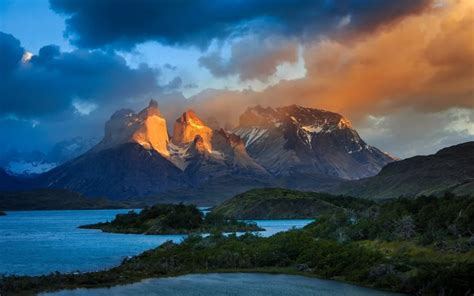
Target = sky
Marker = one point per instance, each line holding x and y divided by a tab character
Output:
401	71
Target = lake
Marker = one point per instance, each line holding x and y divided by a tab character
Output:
41	242
232	284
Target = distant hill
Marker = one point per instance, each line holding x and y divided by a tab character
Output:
449	170
278	203
54	199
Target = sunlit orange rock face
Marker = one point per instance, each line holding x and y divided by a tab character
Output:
147	128
188	126
152	133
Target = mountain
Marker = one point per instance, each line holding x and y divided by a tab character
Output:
66	150
298	139
449	170
25	164
147	128
125	171
30	164
137	158
291	147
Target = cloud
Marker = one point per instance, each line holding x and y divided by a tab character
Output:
125	23
420	68
252	58
50	82
83	108
174	84
11	53
406	133
424	62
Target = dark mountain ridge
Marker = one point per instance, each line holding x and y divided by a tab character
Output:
449	170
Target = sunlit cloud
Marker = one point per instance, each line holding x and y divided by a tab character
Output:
26	57
83	107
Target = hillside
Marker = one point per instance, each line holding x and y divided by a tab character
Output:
449	170
54	199
122	172
277	203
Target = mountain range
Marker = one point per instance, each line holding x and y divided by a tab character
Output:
293	146
449	170
30	164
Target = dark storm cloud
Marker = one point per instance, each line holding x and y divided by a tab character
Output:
124	23
10	53
52	81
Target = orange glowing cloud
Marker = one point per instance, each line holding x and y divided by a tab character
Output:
424	62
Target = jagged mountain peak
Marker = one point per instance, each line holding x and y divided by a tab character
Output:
147	128
151	110
188	126
285	139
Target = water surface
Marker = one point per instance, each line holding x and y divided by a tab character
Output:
235	284
41	242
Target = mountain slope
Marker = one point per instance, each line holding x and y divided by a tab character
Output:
450	169
128	170
298	139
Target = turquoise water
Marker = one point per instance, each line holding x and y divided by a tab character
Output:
40	242
235	284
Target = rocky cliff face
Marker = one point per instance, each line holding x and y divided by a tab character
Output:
147	128
297	139
188	126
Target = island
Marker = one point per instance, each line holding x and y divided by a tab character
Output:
172	219
3	213
280	203
420	245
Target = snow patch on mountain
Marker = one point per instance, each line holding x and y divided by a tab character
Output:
251	135
19	168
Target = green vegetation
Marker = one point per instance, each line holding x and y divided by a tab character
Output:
419	246
278	203
171	219
57	199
